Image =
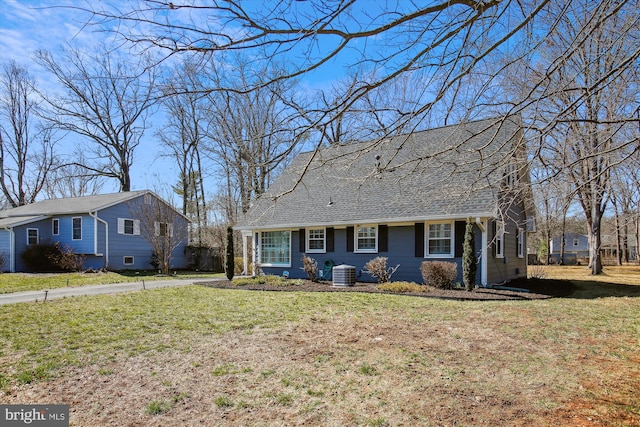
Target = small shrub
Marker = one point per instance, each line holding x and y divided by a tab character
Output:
310	266
238	266
3	261
52	257
439	274
377	268
402	287
537	272
469	266
230	258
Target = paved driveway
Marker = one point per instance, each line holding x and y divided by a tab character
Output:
31	296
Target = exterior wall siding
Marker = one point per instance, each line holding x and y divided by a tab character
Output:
136	246
401	250
510	266
119	245
5	249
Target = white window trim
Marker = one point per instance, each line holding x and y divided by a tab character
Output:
500	237
37	236
521	237
136	226
157	229
356	249
259	247
72	228
324	241
124	260
54	221
452	239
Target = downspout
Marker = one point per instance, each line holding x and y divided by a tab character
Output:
484	262
12	249
94	215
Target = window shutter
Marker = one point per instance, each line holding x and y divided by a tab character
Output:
493	237
383	238
329	237
156	228
419	239
120	225
136	227
459	230
302	246
170	227
349	239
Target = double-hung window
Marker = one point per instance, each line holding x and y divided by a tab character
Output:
520	243
32	236
129	226
316	240
366	238
275	248
499	239
76	232
440	243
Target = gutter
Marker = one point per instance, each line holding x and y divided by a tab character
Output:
94	215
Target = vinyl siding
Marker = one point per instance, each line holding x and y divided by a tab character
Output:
5	249
511	266
401	250
126	245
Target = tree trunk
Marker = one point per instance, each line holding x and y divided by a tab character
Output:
595	259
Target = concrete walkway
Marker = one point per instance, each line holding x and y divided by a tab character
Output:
32	296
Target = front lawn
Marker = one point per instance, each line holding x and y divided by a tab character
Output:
19	282
197	355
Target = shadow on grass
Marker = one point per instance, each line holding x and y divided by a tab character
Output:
579	289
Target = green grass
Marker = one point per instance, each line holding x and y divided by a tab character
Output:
344	350
20	282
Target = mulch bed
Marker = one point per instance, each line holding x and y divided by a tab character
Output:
538	289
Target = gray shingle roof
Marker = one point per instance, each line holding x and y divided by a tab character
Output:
447	172
63	206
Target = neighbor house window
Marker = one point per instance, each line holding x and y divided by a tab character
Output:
499	239
440	241
575	242
366	238
129	226
316	240
55	226
77	228
128	260
32	236
275	248
520	243
163	229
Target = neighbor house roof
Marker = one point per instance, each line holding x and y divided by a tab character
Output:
447	172
64	206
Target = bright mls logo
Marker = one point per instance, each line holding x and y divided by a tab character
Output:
35	415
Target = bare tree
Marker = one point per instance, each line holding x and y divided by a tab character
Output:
106	101
160	225
584	53
251	133
182	137
26	148
586	104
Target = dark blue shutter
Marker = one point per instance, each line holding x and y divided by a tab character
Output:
419	239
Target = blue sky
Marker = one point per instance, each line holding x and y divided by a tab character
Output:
29	25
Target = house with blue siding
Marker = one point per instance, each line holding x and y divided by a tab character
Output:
112	231
407	198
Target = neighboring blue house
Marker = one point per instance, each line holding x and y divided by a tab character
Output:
406	198
575	246
110	230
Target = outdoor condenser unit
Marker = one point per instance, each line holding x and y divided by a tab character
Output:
344	275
